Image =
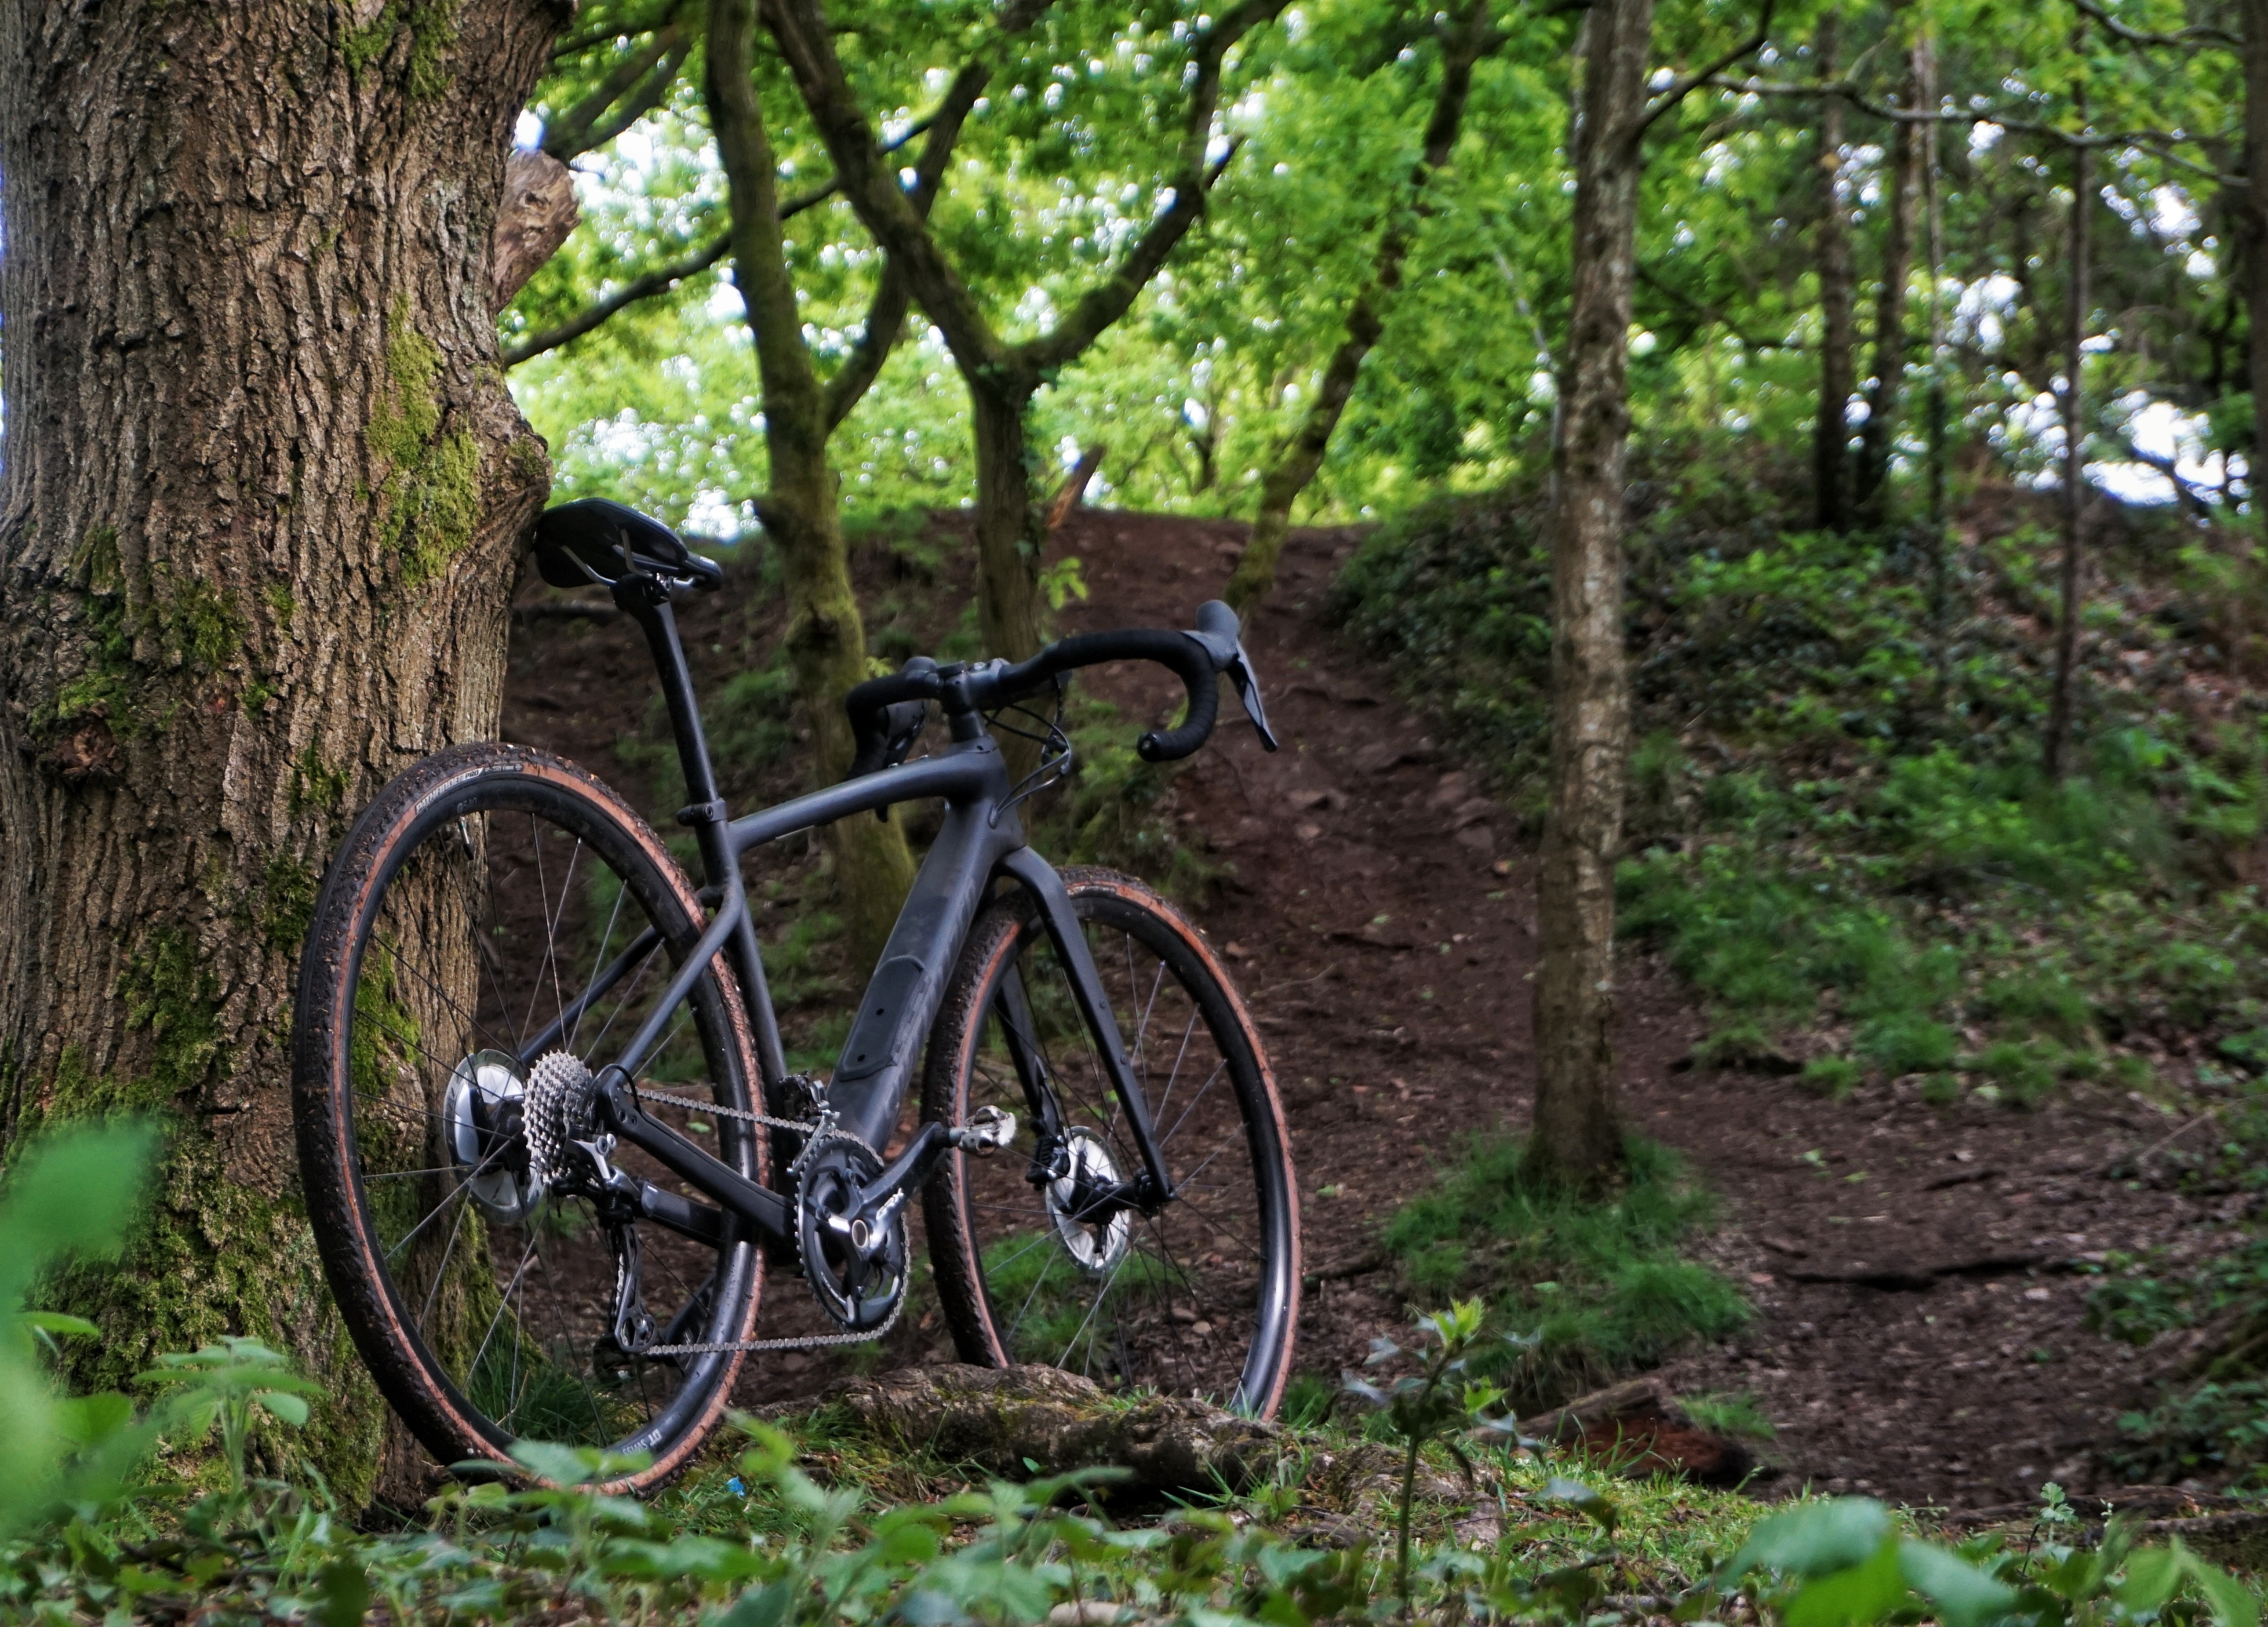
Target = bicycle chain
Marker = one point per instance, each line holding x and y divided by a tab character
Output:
813	1133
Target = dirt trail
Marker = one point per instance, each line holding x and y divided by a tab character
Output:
1388	961
1389	964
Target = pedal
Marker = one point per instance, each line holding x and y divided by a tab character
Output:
988	1131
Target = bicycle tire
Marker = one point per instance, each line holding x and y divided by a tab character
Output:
421	926
1179	1314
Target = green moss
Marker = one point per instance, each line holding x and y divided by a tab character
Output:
316	785
287	900
278	596
432	28
431	492
209	1256
106	687
198	627
169	989
99	564
257	696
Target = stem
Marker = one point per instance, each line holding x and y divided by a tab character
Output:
1401	1547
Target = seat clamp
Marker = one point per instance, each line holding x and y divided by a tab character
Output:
704	813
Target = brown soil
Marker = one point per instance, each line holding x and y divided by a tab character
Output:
1916	1271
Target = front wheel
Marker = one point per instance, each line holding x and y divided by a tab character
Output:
1200	1298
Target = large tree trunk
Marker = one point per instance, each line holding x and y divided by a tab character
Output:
826	637
262	494
1577	1130
2074	467
1838	340
1891	347
1302	455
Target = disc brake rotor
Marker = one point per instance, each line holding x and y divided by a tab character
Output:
483	1112
1095	1245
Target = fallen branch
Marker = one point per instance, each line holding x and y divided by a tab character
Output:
1073	491
1912	1279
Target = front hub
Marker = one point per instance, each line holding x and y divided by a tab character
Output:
1085	1202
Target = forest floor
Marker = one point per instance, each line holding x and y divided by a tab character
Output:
1917	1272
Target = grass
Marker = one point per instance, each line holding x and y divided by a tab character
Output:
1598	1288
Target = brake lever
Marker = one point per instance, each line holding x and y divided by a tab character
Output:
1227	653
1247	690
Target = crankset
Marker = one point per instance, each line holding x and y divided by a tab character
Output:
855	1260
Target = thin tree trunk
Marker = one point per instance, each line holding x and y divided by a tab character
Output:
1577	1134
1302	455
1011	523
1830	458
1934	401
262	496
826	637
2074	467
1892	347
2252	209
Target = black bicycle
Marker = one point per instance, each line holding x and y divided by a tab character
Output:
549	1134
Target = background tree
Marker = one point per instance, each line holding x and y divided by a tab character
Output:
1003	376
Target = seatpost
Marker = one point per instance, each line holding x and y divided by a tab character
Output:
646	600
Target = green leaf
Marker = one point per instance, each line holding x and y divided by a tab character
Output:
56	1321
344	1589
291	1409
1964	1595
1817	1538
1852	1597
1585	1500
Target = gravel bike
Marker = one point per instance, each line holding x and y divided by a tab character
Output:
549	1135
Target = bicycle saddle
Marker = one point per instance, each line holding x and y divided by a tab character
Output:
594	540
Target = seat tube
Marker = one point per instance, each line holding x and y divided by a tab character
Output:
706	811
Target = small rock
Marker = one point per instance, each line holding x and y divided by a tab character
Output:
1235	950
1307	833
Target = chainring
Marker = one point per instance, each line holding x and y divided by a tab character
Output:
857	1271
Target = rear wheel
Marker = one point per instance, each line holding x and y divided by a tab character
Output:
493	908
1200	1298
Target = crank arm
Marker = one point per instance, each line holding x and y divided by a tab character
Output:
913	1167
764	1210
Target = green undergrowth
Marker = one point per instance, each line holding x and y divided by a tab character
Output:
1838	829
1596	1288
2203	1323
105	1516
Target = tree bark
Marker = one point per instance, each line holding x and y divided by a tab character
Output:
2058	754
1577	1133
1892	348
263	492
1838	340
1302	455
826	637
